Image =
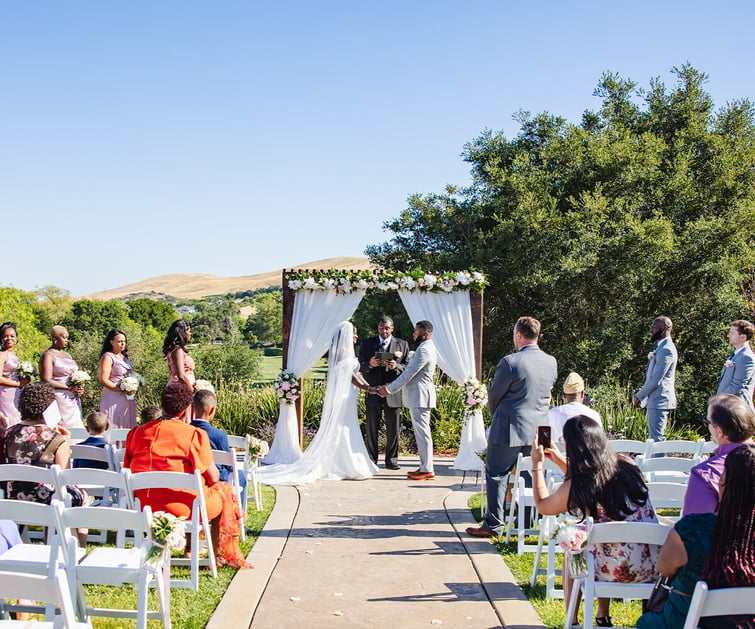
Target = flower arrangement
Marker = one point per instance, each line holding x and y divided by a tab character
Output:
347	281
258	448
26	370
286	386
571	536
476	394
204	385
130	384
78	378
483	454
168	533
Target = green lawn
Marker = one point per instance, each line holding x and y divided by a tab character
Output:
551	611
188	609
271	365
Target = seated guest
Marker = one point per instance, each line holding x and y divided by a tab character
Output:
731	422
171	444
607	486
150	413
97	425
717	549
574	404
205	405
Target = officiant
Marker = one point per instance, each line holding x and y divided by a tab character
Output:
382	358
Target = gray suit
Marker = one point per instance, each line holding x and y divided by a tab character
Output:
738	378
518	399
659	387
419	397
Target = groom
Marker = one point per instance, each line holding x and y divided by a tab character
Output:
377	372
419	396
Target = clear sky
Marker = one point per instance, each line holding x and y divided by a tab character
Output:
145	137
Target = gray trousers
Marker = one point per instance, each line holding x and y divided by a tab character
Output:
498	463
657	418
424	438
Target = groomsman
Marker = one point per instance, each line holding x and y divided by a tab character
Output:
738	373
419	396
377	371
658	391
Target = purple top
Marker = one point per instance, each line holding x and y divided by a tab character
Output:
702	489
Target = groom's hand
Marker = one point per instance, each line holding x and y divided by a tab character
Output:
381	391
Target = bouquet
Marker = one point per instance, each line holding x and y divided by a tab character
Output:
286	386
168	533
204	385
571	536
258	448
25	372
130	384
477	394
483	454
78	378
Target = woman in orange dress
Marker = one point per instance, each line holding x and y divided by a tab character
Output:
170	444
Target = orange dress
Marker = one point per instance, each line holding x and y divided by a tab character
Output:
171	446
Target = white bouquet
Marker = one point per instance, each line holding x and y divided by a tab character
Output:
130	384
286	386
258	448
476	394
26	370
204	385
78	378
571	536
168	534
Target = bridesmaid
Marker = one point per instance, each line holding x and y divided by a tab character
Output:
114	366
55	366
10	382
180	364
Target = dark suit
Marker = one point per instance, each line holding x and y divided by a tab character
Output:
518	399
389	407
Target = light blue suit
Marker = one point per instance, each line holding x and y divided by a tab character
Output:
659	387
738	378
419	397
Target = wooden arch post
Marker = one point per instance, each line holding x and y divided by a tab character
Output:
475	302
288	316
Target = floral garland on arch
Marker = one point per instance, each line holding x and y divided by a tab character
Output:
476	395
347	281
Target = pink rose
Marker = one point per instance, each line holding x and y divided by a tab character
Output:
285	385
471	401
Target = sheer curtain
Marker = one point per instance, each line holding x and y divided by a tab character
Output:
451	316
317	314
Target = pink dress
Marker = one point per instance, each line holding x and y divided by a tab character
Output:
69	404
9	395
188	367
120	411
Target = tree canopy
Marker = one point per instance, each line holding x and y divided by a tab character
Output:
643	208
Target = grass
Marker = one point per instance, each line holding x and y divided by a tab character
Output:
552	612
188	609
271	365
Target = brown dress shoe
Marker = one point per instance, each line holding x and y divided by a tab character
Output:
475	531
413	472
422	476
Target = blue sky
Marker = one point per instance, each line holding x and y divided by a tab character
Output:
236	137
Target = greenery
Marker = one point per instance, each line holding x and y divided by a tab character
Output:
552	612
596	228
265	324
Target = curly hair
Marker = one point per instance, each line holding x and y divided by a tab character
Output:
599	476
6	326
107	347
35	398
175	398
176	336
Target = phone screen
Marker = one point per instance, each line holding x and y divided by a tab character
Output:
544	436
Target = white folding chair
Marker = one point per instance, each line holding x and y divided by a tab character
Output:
613	533
119	454
547	527
105	454
631	446
722	602
668	496
708	447
10	472
117	435
52	589
78	434
198	522
240	446
668	469
676	447
228	458
116	566
521	499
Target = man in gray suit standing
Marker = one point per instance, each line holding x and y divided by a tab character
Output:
738	373
518	400
419	396
658	392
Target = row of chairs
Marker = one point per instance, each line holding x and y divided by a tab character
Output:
60	567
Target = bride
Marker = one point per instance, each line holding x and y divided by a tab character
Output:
337	451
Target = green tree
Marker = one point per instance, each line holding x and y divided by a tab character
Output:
150	312
231	362
217	319
265	323
95	317
642	209
19	308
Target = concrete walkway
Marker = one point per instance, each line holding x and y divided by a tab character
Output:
384	552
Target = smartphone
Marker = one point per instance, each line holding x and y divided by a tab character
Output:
544	436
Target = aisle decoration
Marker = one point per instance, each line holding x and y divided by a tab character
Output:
571	536
286	386
473	439
168	534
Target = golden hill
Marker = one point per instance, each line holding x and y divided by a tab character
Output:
198	285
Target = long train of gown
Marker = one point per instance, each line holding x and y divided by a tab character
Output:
337	451
120	411
9	395
69	404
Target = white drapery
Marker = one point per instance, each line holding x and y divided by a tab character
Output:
317	314
451	316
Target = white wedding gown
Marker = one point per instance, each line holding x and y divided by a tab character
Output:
337	451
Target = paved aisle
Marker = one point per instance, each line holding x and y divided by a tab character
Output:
375	553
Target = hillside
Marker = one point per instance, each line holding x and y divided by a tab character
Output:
198	285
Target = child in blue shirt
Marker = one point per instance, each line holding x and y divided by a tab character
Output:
97	425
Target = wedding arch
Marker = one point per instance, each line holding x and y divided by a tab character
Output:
316	301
